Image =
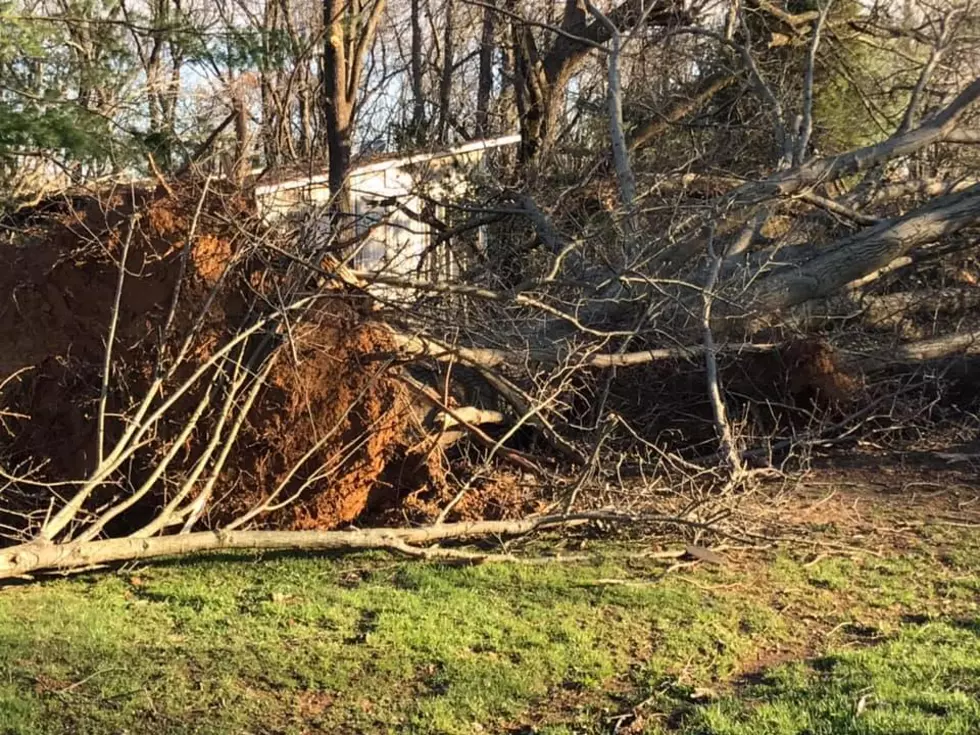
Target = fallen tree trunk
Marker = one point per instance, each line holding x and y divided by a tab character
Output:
856	256
831	168
942	126
37	556
681	108
960	343
893	308
920	188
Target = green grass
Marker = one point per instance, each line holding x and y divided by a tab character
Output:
924	680
365	644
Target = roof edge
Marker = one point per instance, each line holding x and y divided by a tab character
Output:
470	147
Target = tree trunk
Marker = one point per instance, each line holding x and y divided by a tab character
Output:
418	92
307	143
242	134
272	112
448	61
541	80
336	105
349	35
485	90
171	96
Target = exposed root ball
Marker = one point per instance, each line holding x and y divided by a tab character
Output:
327	428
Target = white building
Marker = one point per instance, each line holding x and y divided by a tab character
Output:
388	196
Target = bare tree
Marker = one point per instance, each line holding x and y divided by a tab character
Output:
543	70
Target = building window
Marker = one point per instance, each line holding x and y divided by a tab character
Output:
372	238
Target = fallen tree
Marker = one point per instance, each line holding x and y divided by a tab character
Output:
854	257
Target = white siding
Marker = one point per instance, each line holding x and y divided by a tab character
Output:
384	198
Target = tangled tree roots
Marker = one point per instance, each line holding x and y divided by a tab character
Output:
324	429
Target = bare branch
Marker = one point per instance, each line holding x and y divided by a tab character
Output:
811	64
25	559
831	168
110	342
946	26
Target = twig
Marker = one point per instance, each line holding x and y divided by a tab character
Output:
159	176
81	682
113	323
723	428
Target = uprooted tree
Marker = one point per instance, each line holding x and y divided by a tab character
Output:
752	228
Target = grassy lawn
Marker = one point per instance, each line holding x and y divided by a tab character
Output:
781	643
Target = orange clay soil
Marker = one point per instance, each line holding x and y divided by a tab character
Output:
58	283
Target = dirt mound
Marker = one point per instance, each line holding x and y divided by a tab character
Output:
504	496
342	401
772	392
327	426
61	288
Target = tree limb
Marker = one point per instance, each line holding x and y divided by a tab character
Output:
865	252
831	168
25	559
708	88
